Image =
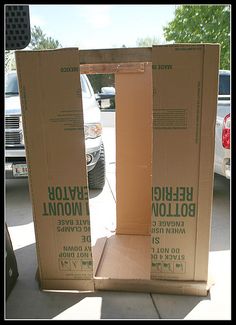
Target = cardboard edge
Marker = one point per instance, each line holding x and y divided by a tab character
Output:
18	55
192	288
68	285
97	252
206	168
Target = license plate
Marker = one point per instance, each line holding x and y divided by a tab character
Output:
20	170
105	103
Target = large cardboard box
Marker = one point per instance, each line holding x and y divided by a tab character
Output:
165	122
53	124
184	114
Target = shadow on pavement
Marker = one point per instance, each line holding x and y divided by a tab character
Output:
176	306
35	304
27	301
17	202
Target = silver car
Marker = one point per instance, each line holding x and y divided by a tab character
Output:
15	157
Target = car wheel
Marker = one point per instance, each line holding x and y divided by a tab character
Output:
96	177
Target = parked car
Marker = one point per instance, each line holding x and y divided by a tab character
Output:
222	164
15	165
106	98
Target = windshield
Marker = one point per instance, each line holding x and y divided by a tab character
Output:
224	84
84	87
11	84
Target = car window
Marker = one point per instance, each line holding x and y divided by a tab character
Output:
224	84
11	84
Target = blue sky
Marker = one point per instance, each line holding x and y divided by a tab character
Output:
101	26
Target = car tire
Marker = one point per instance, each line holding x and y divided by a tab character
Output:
96	177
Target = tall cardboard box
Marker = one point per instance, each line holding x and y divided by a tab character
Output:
53	124
165	120
185	83
165	115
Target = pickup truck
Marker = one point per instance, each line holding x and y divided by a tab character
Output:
15	156
222	163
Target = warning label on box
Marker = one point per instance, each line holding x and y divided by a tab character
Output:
169	118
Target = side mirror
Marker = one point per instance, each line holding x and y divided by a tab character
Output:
17	26
106	99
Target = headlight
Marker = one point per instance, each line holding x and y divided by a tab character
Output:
92	131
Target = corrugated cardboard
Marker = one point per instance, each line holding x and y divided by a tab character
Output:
185	82
54	134
165	115
175	260
134	151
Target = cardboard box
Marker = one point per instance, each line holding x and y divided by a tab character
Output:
54	134
165	122
185	85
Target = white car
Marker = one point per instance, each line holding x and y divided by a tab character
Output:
15	165
223	124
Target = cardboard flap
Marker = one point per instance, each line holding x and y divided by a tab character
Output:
133	151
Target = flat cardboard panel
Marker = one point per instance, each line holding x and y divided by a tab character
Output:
112	68
206	168
125	257
133	151
121	55
178	157
52	111
125	266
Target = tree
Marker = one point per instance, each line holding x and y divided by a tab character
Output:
101	80
10	63
39	41
147	41
202	24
